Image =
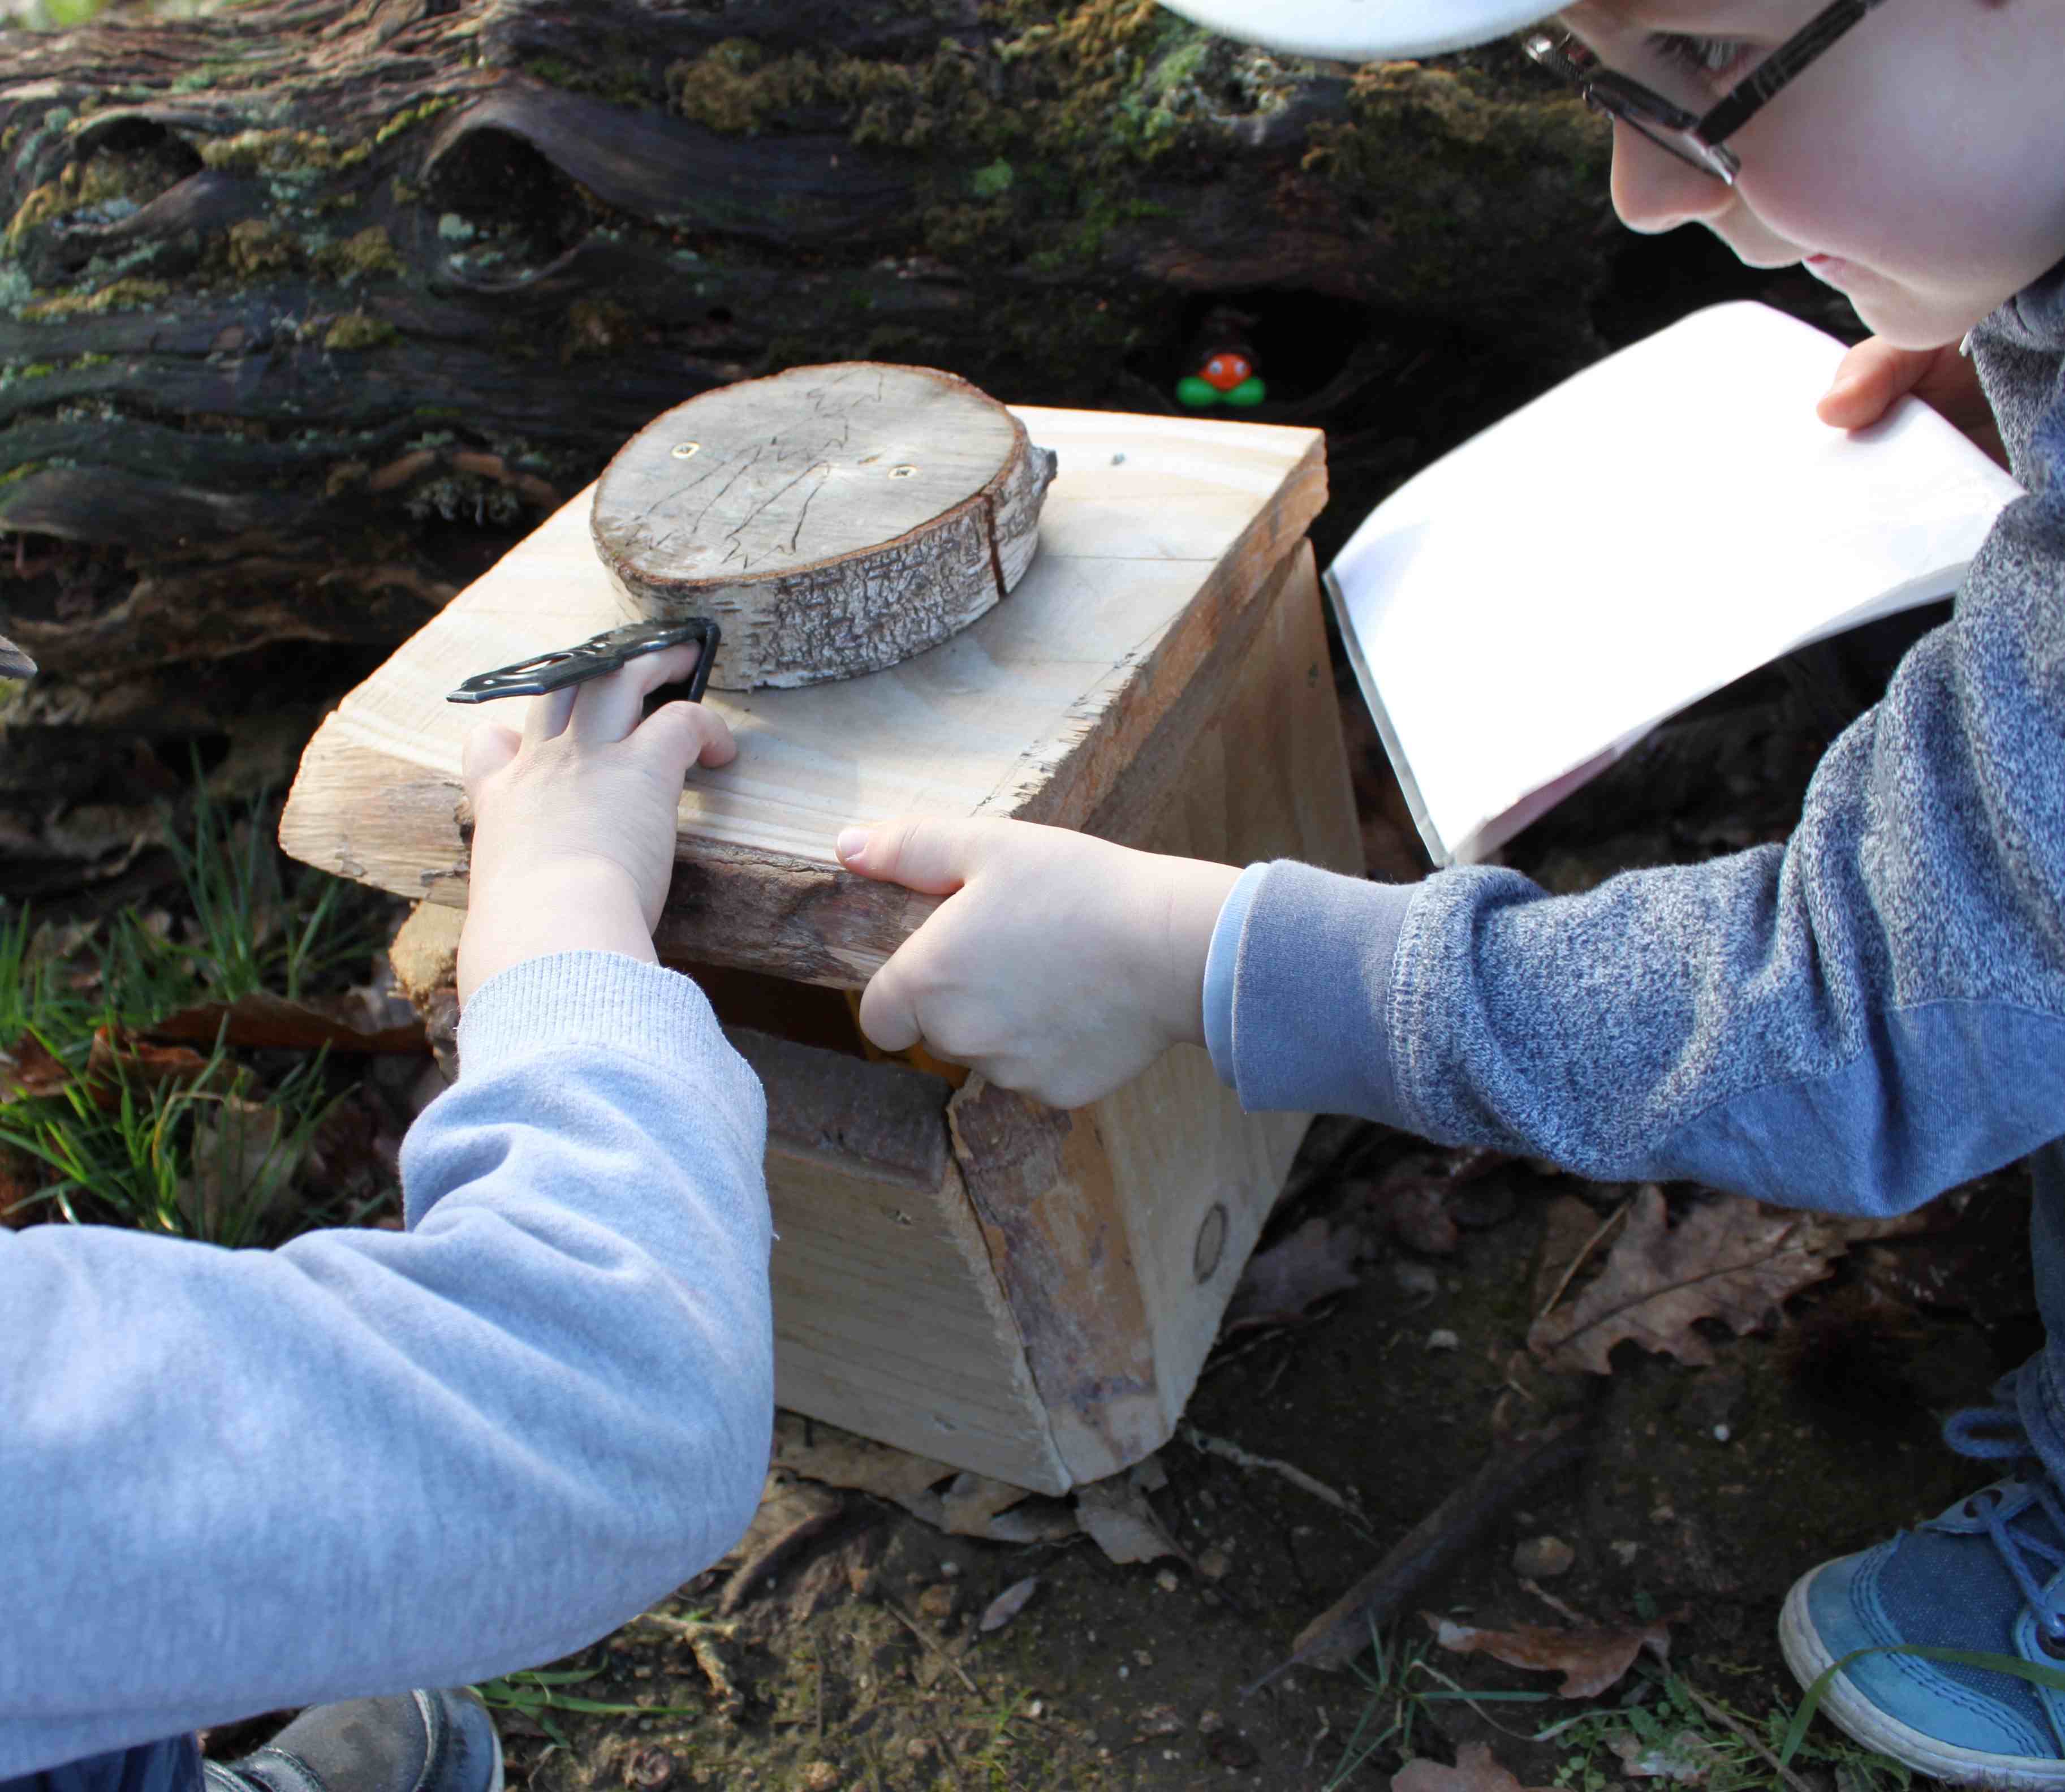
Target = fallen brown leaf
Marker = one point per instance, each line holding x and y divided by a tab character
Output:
1121	1523
1589	1660
1008	1604
138	1061
1476	1769
361	1021
1730	1259
816	1451
27	1071
1282	1283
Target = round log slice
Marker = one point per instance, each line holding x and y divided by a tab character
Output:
834	519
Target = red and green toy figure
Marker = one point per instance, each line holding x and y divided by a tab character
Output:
1224	376
1222	363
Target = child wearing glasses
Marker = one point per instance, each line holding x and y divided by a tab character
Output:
1854	1022
368	1461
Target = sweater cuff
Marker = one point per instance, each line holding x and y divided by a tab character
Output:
1221	957
585	998
1311	994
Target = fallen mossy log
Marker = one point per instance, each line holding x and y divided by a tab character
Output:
309	308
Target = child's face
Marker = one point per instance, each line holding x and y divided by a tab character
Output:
1919	166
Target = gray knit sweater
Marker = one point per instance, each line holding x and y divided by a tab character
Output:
1854	1021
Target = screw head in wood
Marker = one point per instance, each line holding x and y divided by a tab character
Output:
1211	1242
684	449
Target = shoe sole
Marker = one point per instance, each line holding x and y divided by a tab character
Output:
1862	1721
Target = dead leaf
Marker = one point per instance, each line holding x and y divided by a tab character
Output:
364	1020
1476	1769
1687	1757
27	1071
1590	1661
1008	1604
1730	1259
116	1054
975	1506
1282	1283
239	1171
1121	1523
816	1451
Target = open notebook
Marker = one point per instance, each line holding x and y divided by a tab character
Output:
1524	611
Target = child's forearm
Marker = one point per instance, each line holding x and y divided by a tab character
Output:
471	1448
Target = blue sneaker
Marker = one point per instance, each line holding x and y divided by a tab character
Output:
1988	1574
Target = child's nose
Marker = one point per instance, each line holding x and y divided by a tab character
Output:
1653	191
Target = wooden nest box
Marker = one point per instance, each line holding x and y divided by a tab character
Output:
1012	1289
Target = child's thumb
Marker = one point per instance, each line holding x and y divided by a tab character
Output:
922	853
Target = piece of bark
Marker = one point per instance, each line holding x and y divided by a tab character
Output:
834	519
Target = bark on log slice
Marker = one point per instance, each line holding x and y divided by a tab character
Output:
834	519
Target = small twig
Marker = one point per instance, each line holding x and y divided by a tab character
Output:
1793	1782
1344	1629
1228	1451
916	1630
1577	1262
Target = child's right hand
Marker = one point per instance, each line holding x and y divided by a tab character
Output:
575	818
1059	966
1874	373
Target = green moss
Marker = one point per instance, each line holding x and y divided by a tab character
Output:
355	331
87	361
414	116
992	181
121	295
34	370
257	246
15	475
596	327
364	255
275	152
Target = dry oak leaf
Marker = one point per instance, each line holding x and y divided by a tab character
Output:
1589	1659
1476	1769
1283	1283
1730	1259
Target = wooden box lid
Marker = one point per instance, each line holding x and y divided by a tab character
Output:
1157	533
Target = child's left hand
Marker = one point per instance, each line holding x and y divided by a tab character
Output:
1875	374
1060	965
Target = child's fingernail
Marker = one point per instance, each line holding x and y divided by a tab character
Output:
852	842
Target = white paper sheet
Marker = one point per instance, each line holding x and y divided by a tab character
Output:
1528	607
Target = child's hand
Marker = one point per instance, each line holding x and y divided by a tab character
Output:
574	819
1060	965
1875	373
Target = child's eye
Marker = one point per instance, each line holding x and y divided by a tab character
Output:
1706	56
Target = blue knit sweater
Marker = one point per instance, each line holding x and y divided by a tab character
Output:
1854	1021
238	1480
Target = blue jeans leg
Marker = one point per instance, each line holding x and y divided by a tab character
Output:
2039	1384
171	1765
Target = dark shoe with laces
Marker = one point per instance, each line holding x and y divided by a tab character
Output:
442	1741
1987	1575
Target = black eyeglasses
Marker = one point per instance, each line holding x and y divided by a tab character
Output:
1696	138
